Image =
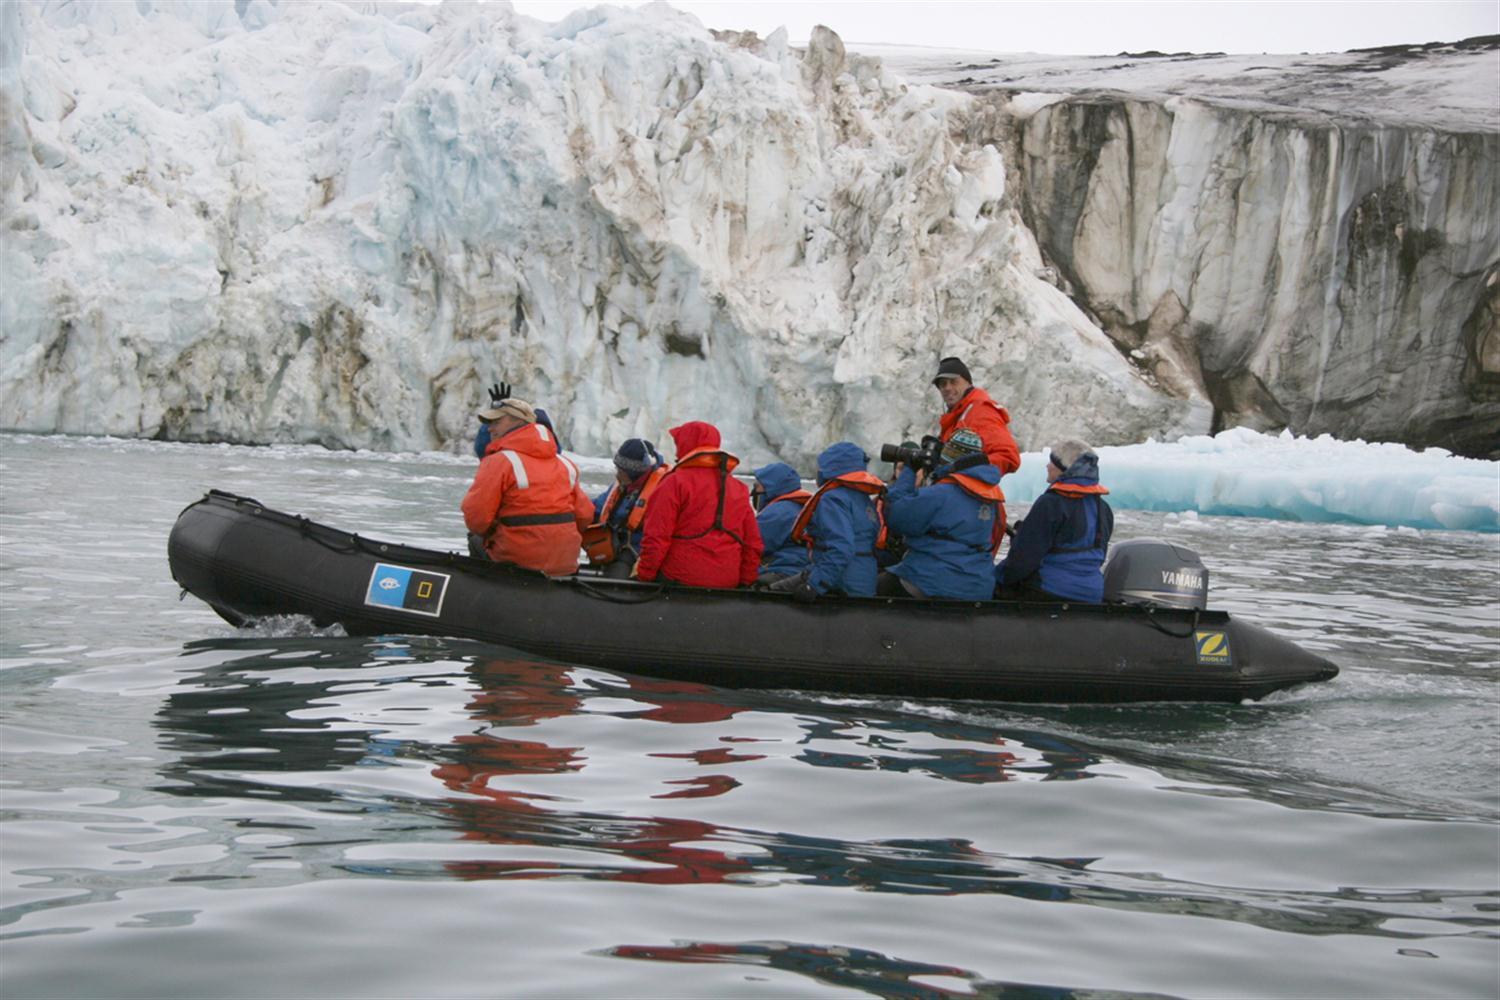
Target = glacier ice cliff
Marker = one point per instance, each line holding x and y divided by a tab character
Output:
334	223
1306	242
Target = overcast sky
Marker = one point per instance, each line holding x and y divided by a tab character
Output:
1092	27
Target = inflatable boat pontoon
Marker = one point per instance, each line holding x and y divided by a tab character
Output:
247	561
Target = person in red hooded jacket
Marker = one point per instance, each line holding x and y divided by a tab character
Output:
525	502
971	407
700	529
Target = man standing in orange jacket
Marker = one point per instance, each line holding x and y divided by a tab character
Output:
971	407
700	529
525	501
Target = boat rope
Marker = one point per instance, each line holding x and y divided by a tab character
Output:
605	595
304	526
1192	626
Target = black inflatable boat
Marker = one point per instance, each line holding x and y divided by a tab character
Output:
247	561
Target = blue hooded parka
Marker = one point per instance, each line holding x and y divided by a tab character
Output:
843	528
1061	543
949	532
781	555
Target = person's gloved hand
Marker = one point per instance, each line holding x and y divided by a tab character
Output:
797	586
499	393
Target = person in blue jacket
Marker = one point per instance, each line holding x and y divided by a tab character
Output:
843	524
778	496
952	526
1059	547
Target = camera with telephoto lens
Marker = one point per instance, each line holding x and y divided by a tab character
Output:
922	457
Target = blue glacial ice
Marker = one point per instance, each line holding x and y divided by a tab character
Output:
1245	473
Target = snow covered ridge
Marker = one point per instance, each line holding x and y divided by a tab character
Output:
1240	472
335	223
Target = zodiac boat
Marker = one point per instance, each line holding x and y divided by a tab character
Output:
247	561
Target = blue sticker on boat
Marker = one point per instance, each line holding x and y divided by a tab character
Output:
416	590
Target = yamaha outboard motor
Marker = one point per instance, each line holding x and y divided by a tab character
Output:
1154	572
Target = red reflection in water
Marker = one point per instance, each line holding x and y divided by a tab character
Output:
521	692
679	701
709	784
714	755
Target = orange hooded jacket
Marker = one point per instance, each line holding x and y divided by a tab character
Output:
526	502
991	421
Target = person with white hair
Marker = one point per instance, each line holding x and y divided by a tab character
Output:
1058	550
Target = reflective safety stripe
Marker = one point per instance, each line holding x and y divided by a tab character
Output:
526	520
572	471
520	468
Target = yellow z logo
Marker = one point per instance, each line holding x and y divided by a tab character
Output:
1213	647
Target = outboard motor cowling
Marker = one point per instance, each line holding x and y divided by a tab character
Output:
1155	572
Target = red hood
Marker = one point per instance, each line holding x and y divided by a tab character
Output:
531	440
693	435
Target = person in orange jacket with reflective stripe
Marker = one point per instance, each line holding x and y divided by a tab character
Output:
700	529
525	501
971	407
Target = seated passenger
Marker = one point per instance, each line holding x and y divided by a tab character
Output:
700	529
614	539
842	521
952	527
778	496
1059	547
499	393
525	505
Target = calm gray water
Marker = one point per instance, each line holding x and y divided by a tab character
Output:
194	811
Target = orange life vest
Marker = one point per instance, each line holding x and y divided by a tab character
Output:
989	492
1077	490
798	497
862	482
599	537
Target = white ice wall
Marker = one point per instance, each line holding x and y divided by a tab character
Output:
336	222
321	224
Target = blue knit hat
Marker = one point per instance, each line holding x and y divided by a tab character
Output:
636	457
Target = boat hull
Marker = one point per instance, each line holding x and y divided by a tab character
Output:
248	561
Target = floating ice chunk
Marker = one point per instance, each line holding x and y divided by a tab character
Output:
1242	472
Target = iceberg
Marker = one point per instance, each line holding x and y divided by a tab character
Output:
1241	472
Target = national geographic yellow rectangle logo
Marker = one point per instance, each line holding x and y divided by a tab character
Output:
1213	648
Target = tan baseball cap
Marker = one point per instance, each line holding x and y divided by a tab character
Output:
512	407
